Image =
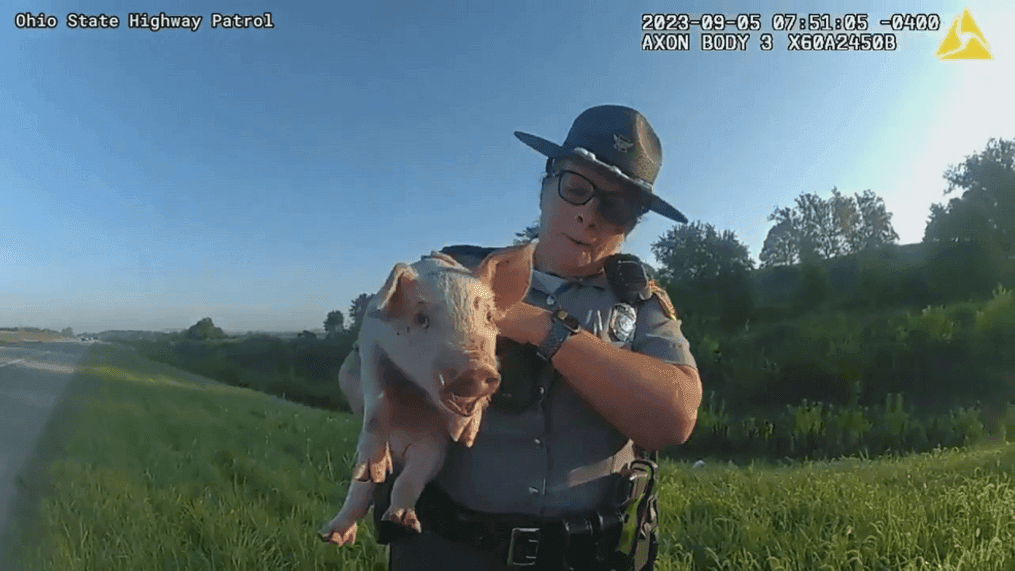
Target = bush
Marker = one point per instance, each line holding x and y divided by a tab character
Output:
961	271
814	430
304	370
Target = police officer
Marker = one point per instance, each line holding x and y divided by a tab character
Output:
594	370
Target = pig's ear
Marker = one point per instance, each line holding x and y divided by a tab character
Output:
507	272
395	298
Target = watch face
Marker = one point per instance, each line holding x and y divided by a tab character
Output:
569	321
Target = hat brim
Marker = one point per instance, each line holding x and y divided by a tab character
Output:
655	202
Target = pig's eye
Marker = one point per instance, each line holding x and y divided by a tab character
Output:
422	320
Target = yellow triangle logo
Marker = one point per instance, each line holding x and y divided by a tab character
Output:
975	46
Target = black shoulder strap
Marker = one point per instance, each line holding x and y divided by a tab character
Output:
467	255
628	278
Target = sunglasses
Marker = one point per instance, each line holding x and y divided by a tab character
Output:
619	208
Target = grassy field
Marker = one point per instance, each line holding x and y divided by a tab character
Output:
29	336
147	467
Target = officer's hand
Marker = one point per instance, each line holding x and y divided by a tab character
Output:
525	323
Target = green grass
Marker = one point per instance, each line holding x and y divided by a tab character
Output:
147	467
947	509
31	336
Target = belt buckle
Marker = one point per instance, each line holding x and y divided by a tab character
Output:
526	541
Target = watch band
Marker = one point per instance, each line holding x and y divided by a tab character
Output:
562	326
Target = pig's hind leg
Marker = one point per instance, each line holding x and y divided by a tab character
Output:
423	459
341	530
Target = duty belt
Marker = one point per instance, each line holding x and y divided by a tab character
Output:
523	542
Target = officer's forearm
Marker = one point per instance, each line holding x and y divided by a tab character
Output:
653	403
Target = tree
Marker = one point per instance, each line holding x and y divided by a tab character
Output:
335	323
706	271
530	233
204	330
68	332
984	213
969	240
823	229
870	224
780	248
358	309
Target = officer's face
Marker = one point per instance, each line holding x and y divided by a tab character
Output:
575	240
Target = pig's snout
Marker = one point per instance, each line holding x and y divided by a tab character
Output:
467	389
474	383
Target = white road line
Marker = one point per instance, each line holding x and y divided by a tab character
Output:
11	362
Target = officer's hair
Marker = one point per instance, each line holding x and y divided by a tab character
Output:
549	173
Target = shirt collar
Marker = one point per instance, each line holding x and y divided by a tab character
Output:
550	284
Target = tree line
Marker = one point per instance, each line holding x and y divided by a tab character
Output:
835	311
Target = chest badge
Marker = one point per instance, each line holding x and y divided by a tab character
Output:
622	322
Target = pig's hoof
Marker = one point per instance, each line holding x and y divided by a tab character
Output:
340	536
375	472
375	468
405	518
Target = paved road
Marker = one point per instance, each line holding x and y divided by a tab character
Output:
33	377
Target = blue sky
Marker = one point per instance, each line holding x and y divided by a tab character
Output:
266	177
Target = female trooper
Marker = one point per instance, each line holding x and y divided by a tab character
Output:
594	370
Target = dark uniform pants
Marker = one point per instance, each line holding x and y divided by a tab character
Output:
428	552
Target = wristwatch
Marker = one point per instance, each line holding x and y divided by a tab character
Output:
563	325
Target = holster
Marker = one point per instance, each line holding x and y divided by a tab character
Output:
636	504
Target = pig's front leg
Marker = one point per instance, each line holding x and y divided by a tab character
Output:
373	456
341	530
423	459
373	459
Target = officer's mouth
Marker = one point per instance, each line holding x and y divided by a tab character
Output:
577	243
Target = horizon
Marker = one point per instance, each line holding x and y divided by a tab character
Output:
264	178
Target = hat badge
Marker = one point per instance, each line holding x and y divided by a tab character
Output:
622	144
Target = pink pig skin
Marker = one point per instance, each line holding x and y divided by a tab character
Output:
418	380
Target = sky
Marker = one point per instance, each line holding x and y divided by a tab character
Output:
264	177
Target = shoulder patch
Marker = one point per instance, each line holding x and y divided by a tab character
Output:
664	299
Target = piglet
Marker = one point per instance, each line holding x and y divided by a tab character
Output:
424	367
